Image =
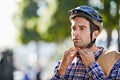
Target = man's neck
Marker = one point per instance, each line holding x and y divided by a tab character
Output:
94	48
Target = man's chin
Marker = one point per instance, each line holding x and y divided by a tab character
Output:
78	46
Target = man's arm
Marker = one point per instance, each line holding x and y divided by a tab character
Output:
96	73
67	59
56	75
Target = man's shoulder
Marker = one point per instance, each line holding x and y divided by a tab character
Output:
107	60
109	56
112	54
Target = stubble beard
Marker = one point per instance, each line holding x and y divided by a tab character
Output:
78	44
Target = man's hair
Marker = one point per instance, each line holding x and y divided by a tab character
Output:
93	27
89	13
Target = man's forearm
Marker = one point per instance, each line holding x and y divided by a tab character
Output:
57	75
95	72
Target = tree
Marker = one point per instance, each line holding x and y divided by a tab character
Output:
111	18
118	19
26	20
56	24
60	27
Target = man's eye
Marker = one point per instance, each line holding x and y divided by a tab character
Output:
73	28
81	28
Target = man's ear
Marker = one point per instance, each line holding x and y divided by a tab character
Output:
95	34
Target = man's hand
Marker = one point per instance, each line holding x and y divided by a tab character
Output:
87	56
68	57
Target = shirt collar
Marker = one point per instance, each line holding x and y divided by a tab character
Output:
98	53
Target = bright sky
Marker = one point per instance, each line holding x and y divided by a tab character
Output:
8	32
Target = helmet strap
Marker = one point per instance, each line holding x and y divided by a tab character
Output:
92	41
91	44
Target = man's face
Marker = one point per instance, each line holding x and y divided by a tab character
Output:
80	31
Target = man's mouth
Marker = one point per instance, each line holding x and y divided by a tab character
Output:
76	39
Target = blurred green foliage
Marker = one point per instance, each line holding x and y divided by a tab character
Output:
50	22
60	29
111	17
26	20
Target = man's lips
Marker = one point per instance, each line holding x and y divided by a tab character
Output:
76	39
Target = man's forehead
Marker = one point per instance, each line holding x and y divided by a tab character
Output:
79	21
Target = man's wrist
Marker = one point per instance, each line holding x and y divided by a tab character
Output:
61	71
58	76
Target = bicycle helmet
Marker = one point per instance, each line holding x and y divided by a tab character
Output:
88	12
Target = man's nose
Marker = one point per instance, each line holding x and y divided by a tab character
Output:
76	32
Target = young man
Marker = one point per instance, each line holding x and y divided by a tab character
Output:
86	61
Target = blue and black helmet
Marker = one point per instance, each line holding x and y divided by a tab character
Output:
88	12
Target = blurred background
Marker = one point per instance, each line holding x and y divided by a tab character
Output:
35	33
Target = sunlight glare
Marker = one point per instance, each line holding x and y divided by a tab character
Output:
8	32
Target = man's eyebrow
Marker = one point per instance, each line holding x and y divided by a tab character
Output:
82	26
